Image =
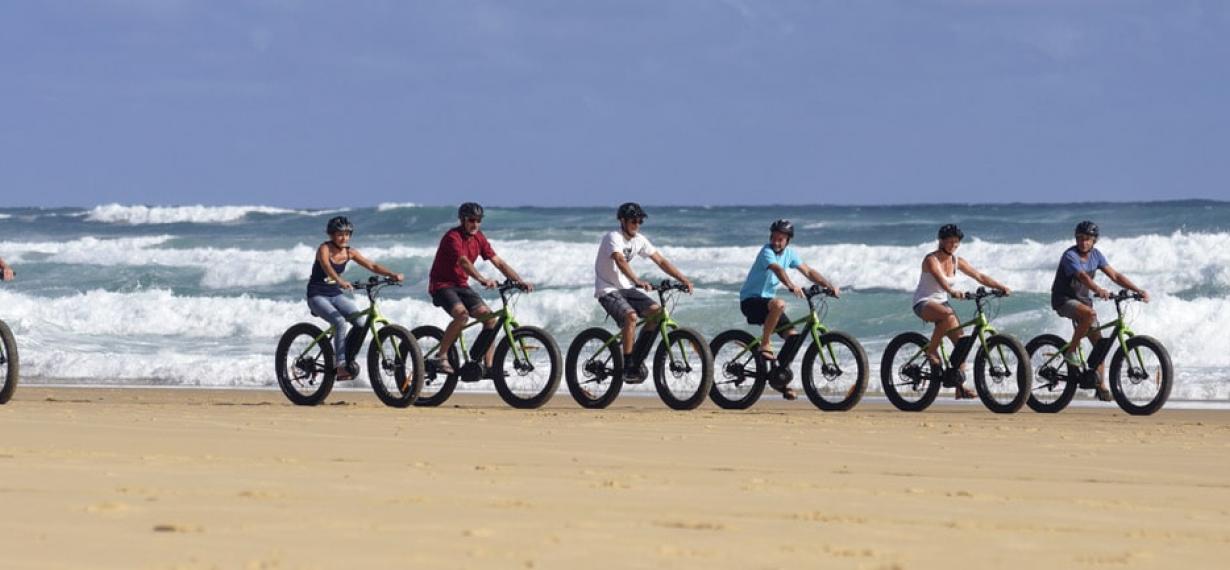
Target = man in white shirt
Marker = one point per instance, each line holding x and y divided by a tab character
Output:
616	285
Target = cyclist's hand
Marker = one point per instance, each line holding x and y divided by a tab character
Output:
1144	296
687	283
643	284
529	287
836	291
398	277
798	291
489	283
1102	293
344	284
1007	292
960	294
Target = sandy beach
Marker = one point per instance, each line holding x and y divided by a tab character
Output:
158	478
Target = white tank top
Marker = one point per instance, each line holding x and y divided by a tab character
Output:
930	290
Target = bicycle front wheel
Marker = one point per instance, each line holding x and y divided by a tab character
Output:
683	369
437	386
526	370
740	378
594	368
909	380
835	373
1002	374
1055	382
9	365
1141	381
395	366
304	364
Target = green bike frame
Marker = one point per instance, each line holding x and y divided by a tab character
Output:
374	318
814	327
982	329
508	323
664	323
1122	333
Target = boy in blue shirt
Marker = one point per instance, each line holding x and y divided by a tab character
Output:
757	297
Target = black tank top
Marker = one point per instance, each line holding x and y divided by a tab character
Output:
319	285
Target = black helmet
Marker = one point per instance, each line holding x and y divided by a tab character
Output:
951	230
784	226
1088	228
339	224
470	210
631	211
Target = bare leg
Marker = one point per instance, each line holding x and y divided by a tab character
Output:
460	317
776	308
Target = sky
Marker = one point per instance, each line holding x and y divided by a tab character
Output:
579	103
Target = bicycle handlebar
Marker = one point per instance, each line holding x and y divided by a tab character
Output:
374	282
509	285
1124	295
815	290
982	293
669	285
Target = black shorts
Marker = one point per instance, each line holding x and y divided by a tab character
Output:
618	303
450	297
756	309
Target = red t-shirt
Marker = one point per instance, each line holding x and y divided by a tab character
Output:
445	270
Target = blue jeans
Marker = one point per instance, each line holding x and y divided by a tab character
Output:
339	310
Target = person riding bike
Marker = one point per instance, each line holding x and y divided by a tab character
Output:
617	287
449	284
1070	293
325	287
757	298
935	285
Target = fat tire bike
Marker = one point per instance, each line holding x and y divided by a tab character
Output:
1002	375
834	367
1140	377
682	363
306	367
525	366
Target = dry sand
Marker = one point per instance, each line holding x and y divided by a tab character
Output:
147	478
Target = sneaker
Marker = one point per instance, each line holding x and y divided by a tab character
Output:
342	374
632	373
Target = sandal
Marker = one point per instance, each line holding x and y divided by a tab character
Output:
964	393
768	354
1104	394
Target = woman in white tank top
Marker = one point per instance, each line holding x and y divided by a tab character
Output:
936	283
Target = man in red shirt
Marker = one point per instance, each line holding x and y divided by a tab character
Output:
449	279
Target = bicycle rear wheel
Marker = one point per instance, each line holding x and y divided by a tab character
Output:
1141	382
9	363
594	368
740	378
1055	382
683	369
305	365
836	380
528	382
1002	374
395	366
909	380
437	386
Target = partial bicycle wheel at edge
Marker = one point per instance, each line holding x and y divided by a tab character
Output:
683	369
1055	382
594	368
397	378
305	374
10	369
739	374
836	382
1002	374
437	386
1141	383
911	385
531	381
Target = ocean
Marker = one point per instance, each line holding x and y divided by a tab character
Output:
199	295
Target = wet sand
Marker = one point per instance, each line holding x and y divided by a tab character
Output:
149	478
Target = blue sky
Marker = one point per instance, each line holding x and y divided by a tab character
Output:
563	102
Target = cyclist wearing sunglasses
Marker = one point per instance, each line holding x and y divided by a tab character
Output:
616	284
449	279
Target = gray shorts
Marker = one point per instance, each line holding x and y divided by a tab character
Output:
618	303
1068	311
918	308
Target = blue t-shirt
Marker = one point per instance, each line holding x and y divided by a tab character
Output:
760	281
1066	286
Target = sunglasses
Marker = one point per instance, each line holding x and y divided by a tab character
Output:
474	220
637	221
